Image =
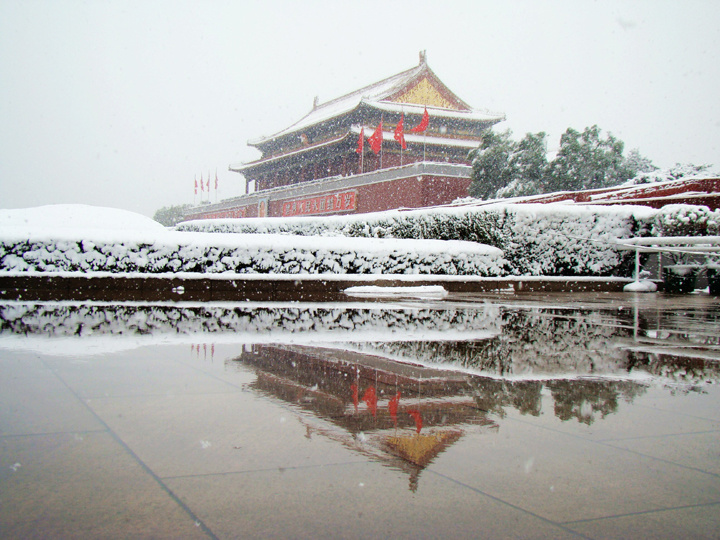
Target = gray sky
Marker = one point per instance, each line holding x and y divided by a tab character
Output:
123	103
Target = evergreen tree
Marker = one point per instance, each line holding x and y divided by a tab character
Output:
171	215
491	164
587	161
528	166
637	163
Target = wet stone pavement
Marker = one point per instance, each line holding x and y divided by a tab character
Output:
493	416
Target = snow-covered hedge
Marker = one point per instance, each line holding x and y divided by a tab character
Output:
686	220
172	252
537	239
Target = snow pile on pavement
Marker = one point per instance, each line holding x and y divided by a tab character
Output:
29	246
77	217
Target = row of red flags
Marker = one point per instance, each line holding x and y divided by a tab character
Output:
376	138
370	398
203	184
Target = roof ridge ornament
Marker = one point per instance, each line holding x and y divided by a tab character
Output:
423	57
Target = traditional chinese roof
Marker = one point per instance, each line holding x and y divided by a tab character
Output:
408	92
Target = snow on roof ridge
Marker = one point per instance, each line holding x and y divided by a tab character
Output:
435	111
382	88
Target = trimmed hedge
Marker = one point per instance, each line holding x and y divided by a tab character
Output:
536	239
172	252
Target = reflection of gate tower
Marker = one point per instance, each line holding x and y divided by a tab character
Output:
403	415
323	165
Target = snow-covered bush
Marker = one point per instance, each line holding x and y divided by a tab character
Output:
244	254
685	220
675	172
536	239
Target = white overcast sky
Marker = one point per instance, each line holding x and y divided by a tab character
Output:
123	103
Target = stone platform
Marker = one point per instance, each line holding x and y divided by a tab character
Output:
280	288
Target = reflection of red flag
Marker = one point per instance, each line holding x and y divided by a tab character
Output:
375	139
422	126
370	398
361	141
399	133
418	419
354	389
393	407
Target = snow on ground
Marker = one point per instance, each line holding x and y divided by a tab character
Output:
73	216
643	285
426	291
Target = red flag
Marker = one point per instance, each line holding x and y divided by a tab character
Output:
195	186
393	407
422	126
208	183
355	391
202	184
216	181
418	419
361	141
375	139
370	397
399	133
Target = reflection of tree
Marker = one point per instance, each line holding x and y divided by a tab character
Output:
532	342
494	395
586	399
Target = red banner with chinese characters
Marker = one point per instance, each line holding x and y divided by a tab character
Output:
322	204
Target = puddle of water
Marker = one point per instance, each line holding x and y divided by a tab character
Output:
470	397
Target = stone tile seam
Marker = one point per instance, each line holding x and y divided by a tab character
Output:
144	466
619	448
51	433
643	512
558	524
263	470
661	436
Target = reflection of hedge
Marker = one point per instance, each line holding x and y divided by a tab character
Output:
536	239
253	254
97	320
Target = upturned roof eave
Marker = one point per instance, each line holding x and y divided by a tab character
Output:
346	103
353	132
408	108
263	161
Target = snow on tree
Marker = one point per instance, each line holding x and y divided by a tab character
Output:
171	215
676	172
587	161
505	168
491	164
528	165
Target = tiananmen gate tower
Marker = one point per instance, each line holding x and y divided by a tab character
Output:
402	142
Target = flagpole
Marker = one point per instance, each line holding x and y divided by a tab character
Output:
381	144
402	115
425	133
